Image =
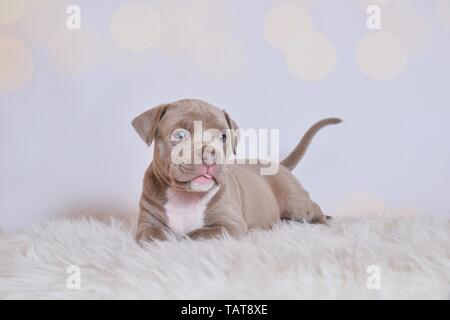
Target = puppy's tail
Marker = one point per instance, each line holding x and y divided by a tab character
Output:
294	158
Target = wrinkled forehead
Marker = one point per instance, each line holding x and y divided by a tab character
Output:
183	116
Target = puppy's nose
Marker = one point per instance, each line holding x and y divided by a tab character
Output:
208	155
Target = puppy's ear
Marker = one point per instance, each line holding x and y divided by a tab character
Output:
234	130
147	123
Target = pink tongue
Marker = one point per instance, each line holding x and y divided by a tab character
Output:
202	179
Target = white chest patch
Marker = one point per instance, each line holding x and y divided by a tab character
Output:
185	210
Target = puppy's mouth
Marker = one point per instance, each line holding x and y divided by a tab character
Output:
203	179
195	178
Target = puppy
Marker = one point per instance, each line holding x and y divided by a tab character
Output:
208	197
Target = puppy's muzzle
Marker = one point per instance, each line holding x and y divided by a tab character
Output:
209	155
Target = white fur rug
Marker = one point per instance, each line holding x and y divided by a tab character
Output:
292	261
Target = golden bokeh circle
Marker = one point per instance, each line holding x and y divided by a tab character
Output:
181	28
219	56
410	29
283	23
11	11
380	55
443	11
16	63
310	57
136	26
360	203
74	52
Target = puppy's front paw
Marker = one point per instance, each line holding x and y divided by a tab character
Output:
323	219
148	233
315	214
207	233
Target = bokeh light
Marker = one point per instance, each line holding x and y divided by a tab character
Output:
219	56
42	19
74	52
360	203
283	23
181	28
443	11
136	26
215	16
307	4
126	61
11	11
380	55
375	2
410	29
16	63
310	57
364	4
185	22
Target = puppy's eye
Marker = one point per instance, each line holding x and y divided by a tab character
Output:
180	135
223	138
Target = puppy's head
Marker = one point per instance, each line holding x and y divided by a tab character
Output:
193	140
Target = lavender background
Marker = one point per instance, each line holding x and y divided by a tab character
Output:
68	148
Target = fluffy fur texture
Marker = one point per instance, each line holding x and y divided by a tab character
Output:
291	261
